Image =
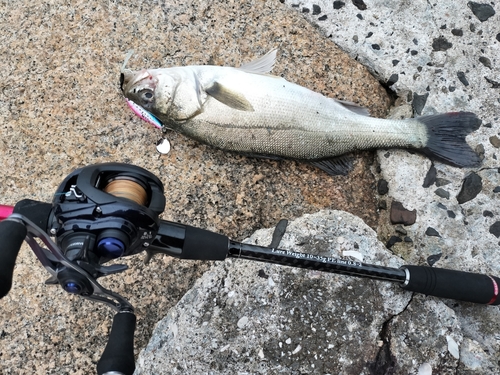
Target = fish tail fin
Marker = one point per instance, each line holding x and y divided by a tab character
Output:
446	138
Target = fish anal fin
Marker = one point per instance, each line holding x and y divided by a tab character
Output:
353	107
262	65
228	97
340	165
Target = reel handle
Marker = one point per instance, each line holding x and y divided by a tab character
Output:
12	235
118	356
458	285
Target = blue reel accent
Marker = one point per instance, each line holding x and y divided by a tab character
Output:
73	287
111	247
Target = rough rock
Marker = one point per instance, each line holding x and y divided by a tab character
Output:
61	108
435	58
450	55
400	215
295	321
250	317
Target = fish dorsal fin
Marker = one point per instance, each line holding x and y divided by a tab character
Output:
353	107
228	97
262	65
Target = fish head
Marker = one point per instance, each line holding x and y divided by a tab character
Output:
149	89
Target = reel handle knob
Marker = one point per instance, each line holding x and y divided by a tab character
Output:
118	356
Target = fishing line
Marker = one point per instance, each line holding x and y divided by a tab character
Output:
127	58
127	187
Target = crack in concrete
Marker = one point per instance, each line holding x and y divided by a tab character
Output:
385	362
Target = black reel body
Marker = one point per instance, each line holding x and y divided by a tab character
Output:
103	212
111	221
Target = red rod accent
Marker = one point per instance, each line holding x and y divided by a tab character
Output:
5	211
495	291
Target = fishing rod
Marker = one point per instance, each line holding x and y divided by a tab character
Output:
108	211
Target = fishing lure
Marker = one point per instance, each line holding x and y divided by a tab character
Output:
143	114
137	109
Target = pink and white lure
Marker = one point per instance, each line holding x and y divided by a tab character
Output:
138	110
143	114
163	145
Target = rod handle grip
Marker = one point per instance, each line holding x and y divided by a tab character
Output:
118	356
458	285
12	235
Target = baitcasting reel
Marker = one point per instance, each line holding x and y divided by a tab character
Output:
101	213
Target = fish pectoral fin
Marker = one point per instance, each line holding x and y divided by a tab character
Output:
353	107
262	65
340	165
230	98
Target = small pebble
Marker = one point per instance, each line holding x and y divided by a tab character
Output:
425	369
471	187
495	229
442	182
433	259
392	241
400	215
481	11
487	213
432	232
442	193
430	177
382	187
442	206
453	347
401	230
261	353
242	322
441	44
495	141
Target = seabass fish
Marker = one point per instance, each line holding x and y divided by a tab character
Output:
246	110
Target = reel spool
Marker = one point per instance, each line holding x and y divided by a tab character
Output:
127	187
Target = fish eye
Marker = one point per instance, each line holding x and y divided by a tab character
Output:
147	96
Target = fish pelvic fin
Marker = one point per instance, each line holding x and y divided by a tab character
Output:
262	65
340	165
446	138
228	97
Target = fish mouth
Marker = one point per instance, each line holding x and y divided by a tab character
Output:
139	87
129	79
122	81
